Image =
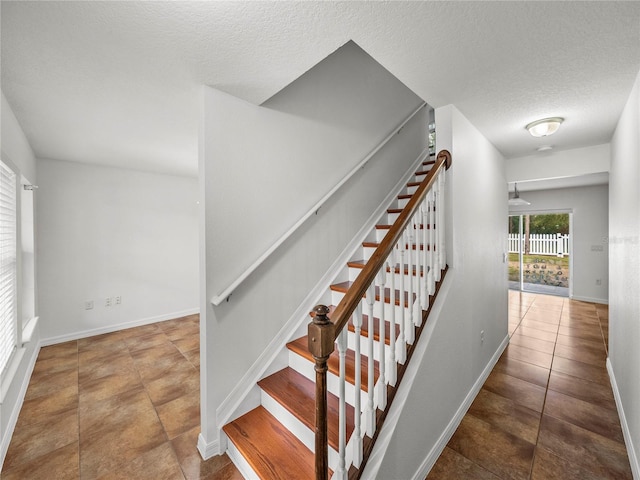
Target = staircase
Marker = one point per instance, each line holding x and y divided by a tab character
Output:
277	439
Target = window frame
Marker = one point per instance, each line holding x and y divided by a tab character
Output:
10	332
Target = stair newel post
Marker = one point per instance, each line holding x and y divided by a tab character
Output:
382	379
341	473
393	297
357	430
402	353
321	344
370	412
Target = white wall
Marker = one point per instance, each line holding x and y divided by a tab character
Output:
477	298
590	208
17	152
261	169
281	158
557	164
15	145
624	272
106	232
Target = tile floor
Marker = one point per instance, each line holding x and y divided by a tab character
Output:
547	410
123	405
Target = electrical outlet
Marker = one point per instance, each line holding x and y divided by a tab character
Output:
108	302
88	304
598	281
118	300
481	336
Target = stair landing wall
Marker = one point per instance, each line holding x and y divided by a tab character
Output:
238	191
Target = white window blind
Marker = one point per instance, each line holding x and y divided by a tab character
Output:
8	265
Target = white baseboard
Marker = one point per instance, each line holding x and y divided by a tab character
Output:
446	435
234	401
15	411
628	440
603	301
114	328
208	450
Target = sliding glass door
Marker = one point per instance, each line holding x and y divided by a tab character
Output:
539	253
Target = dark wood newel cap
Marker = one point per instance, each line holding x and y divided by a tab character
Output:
319	314
447	155
321	333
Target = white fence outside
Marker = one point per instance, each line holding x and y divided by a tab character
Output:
556	244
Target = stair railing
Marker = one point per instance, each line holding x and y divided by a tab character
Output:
417	237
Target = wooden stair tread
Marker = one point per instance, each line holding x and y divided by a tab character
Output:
301	347
272	451
342	287
297	394
429	162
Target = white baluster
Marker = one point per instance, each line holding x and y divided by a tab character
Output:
409	330
418	263
433	251
369	411
341	472
391	364
382	379
425	252
436	221
357	433
402	346
442	232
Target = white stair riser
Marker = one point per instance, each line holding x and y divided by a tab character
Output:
305	367
402	202
351	342
380	234
392	217
336	297
301	431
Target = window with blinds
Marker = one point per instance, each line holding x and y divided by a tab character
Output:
8	265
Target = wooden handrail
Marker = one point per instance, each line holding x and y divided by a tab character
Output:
352	298
226	293
323	331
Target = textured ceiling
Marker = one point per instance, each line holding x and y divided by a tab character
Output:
117	83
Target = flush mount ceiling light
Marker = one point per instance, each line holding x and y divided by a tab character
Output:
516	200
544	127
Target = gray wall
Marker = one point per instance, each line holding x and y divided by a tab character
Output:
476	300
261	169
624	273
106	232
590	208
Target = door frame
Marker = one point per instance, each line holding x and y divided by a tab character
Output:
568	211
